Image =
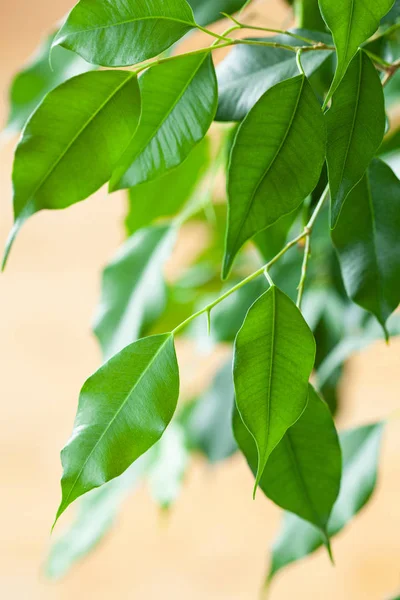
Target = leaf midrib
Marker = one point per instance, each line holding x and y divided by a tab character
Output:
119	23
123	404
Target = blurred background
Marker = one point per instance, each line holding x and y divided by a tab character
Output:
214	543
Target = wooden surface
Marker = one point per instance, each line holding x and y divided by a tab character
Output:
215	544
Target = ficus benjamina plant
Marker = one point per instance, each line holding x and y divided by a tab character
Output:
300	267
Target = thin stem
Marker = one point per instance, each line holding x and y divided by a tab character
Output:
377	59
220	37
298	62
307	253
245	5
262	270
160	61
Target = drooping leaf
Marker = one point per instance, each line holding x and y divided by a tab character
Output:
249	71
118	33
133	289
208	11
37	78
97	513
275	163
356	124
123	410
174	188
303	472
351	22
367	238
72	142
208	424
360	448
273	357
169	465
179	100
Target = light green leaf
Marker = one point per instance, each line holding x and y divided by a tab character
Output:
119	33
307	14
367	238
208	11
356	124
72	142
273	358
275	163
208	424
170	461
360	448
37	78
303	472
249	71
133	290
179	100
351	22
175	188
97	513
123	410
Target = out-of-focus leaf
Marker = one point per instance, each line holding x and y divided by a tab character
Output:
308	14
133	290
208	11
297	539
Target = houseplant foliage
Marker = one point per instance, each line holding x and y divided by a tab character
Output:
307	235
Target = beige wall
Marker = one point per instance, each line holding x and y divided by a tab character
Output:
214	545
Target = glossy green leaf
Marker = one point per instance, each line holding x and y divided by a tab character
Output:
170	461
275	163
303	472
208	11
37	78
249	71
123	410
73	141
351	22
208	424
119	33
175	188
308	14
367	238
97	513
179	102
273	357
133	290
356	124
360	448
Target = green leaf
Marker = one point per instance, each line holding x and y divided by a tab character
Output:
360	448
123	410
208	11
275	163
249	71
208	424
393	15
351	22
175	188
179	100
37	78
124	32
356	124
97	513
133	290
72	142
273	359
367	238
303	472
308	14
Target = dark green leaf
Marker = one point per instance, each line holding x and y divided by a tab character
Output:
133	290
356	124
208	11
175	188
73	141
351	22
274	356
179	100
37	78
393	16
360	448
249	71
123	410
124	32
208	424
303	472
275	163
367	238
